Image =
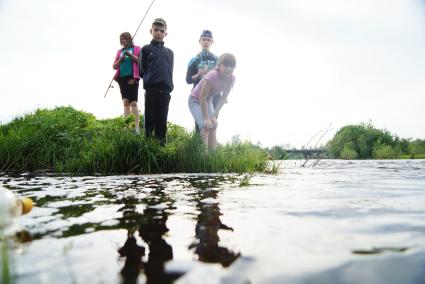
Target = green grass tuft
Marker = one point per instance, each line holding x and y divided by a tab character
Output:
64	140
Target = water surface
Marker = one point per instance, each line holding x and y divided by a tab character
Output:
336	222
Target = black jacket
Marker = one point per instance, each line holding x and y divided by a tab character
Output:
157	66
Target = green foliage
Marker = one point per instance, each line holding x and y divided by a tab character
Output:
277	153
419	156
364	141
417	147
359	138
348	153
37	140
71	141
385	152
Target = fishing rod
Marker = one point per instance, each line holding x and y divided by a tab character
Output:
112	80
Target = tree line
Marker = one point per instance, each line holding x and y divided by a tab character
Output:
363	141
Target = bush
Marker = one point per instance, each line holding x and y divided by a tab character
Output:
385	152
365	141
417	147
348	153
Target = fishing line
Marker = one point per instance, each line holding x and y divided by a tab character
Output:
110	83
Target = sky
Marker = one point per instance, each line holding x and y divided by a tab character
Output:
305	68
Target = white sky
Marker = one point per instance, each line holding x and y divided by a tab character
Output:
303	65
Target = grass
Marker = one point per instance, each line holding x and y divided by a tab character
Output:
6	277
64	140
412	156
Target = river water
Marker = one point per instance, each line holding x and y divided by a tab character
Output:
334	222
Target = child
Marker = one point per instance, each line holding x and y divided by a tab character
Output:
127	75
218	81
157	74
202	63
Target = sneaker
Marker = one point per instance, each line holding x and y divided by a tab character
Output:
137	130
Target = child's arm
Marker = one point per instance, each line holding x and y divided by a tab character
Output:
221	102
192	71
118	60
205	90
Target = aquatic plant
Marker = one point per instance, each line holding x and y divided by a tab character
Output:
65	140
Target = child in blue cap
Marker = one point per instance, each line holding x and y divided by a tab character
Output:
202	63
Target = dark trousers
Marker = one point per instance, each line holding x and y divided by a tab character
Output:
156	113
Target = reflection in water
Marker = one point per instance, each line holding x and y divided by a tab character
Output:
133	262
151	226
72	210
208	223
159	250
369	216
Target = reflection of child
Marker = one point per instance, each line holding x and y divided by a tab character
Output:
127	75
218	81
208	224
202	63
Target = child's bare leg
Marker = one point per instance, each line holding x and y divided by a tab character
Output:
135	110
204	135
126	107
212	139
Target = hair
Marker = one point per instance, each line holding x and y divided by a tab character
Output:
128	37
227	59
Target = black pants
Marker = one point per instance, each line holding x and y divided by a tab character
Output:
156	113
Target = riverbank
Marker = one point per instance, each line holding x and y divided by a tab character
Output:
64	140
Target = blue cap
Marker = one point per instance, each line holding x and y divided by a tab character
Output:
206	33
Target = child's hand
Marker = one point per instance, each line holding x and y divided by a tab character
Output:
214	122
200	73
208	123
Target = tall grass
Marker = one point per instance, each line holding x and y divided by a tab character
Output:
64	140
6	277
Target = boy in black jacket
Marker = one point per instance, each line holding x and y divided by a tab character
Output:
157	73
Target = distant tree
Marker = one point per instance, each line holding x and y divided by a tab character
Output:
349	153
385	152
361	139
404	145
417	147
